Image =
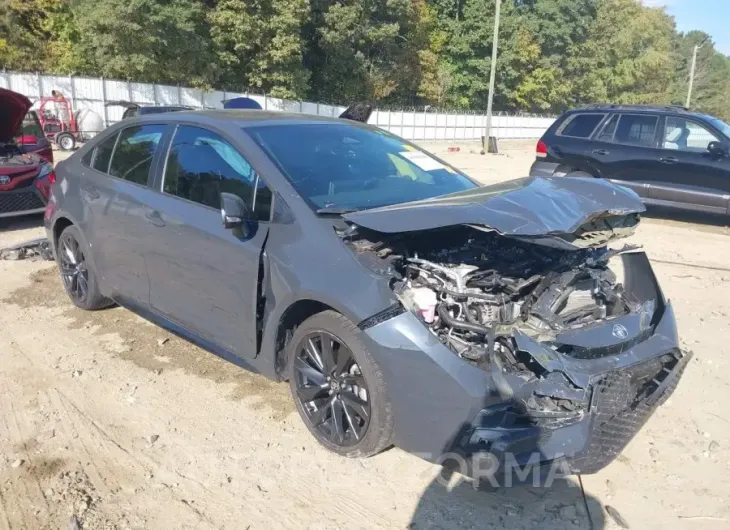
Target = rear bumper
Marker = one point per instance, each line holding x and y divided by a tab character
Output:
24	201
541	168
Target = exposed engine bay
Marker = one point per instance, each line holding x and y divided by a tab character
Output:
474	289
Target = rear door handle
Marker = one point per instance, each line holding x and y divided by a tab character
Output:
669	160
91	194
155	218
601	152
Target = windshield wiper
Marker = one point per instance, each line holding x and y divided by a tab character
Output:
336	210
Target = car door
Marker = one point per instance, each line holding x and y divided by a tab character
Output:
204	277
693	175
117	201
627	147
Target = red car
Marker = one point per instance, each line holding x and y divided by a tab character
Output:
26	169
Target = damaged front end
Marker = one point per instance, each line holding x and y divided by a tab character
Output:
576	360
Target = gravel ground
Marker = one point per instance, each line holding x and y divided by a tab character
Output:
109	422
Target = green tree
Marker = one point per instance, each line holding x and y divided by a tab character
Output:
628	56
711	89
259	45
36	35
364	49
145	40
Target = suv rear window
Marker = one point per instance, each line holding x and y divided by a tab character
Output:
580	125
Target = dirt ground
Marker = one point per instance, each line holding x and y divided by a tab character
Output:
109	422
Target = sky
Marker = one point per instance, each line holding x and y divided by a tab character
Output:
710	16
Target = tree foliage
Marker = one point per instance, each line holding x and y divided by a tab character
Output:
553	54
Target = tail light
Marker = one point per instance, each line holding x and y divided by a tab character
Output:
45	179
542	150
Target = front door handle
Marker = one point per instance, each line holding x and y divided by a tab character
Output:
91	194
669	160
601	152
154	217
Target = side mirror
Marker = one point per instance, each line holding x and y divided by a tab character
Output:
234	212
716	149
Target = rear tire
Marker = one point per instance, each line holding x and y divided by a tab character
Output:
343	400
65	141
77	273
582	174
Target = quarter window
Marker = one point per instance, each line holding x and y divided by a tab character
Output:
201	165
580	125
132	158
636	129
103	154
606	135
685	135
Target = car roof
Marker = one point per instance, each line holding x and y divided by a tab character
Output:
654	109
243	118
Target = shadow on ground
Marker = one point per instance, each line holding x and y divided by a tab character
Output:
451	503
671	214
12	224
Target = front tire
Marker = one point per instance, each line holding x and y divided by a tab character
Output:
338	387
77	273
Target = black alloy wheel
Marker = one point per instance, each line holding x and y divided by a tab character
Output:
74	270
331	389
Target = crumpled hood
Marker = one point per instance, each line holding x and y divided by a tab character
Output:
13	108
556	211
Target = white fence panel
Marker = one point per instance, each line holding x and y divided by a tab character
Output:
413	125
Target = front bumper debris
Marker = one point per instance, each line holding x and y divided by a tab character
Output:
33	250
587	400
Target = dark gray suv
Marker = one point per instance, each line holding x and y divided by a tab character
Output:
403	303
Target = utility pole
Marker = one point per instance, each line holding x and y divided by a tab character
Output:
692	72
492	74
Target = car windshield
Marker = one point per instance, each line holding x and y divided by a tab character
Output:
719	124
338	167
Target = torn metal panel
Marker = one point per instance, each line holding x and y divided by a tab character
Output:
578	212
33	250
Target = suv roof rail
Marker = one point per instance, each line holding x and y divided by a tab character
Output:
628	106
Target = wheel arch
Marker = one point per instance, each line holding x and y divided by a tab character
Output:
59	225
292	317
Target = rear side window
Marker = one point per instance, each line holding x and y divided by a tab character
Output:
636	129
580	125
201	165
134	152
31	127
103	154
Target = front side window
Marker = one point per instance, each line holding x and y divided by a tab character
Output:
685	135
636	129
201	165
342	166
580	125
132	158
103	153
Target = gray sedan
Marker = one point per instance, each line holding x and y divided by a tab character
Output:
404	303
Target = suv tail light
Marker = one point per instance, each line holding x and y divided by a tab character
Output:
541	150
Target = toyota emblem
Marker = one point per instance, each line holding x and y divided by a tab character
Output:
4	179
620	332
